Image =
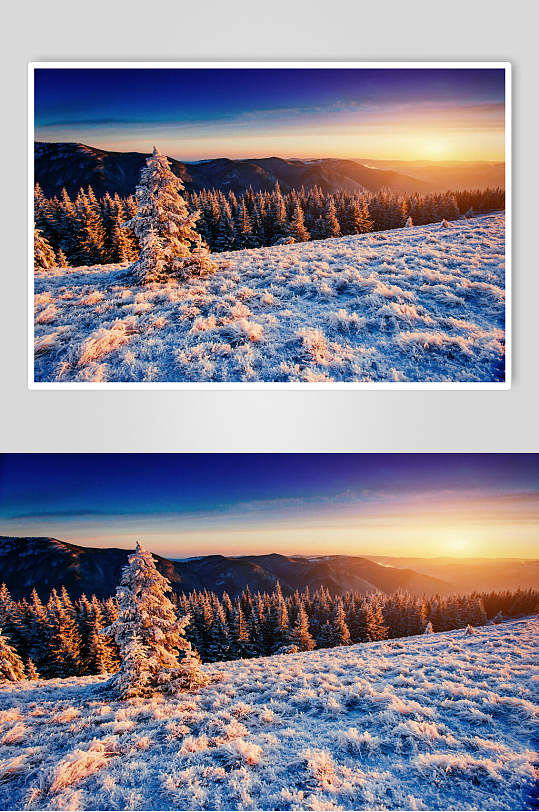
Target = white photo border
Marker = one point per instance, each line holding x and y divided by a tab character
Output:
267	385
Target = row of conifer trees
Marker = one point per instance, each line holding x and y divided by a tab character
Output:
63	637
88	231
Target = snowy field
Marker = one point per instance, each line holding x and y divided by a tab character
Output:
440	721
414	304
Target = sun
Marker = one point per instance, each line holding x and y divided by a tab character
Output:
435	149
458	544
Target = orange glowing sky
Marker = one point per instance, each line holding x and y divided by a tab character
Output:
399	114
308	504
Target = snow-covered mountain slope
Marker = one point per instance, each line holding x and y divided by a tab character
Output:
412	304
440	721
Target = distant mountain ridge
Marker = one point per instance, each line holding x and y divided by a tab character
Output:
473	573
44	563
73	165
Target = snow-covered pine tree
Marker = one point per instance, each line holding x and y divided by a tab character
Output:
327	225
61	259
133	679
241	645
256	628
278	619
110	611
377	625
31	670
416	617
476	611
11	666
98	653
300	635
218	647
325	636
435	615
91	232
103	651
65	642
150	265
225	235
12	621
44	256
352	217
38	635
68	228
164	226
403	205
154	651
46	213
277	221
360	623
340	634
243	237
122	240
297	225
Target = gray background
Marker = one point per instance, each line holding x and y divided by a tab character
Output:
270	420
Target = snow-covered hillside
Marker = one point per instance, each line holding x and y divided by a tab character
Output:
413	304
440	721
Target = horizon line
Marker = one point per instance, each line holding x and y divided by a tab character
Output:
279	157
282	555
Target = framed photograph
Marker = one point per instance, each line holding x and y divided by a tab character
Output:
269	631
284	225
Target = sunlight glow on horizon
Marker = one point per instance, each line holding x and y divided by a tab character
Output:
460	531
400	144
184	505
384	114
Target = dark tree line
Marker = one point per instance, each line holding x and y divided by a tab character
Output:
62	637
88	231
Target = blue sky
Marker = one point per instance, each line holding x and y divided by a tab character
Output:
182	505
201	113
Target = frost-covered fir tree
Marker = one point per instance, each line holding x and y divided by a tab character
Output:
297	225
476	611
98	652
91	232
11	618
340	634
244	237
150	265
11	666
225	234
300	635
38	636
278	225
31	670
43	253
154	651
240	634
122	242
65	642
278	621
327	224
165	228
134	676
218	645
61	259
